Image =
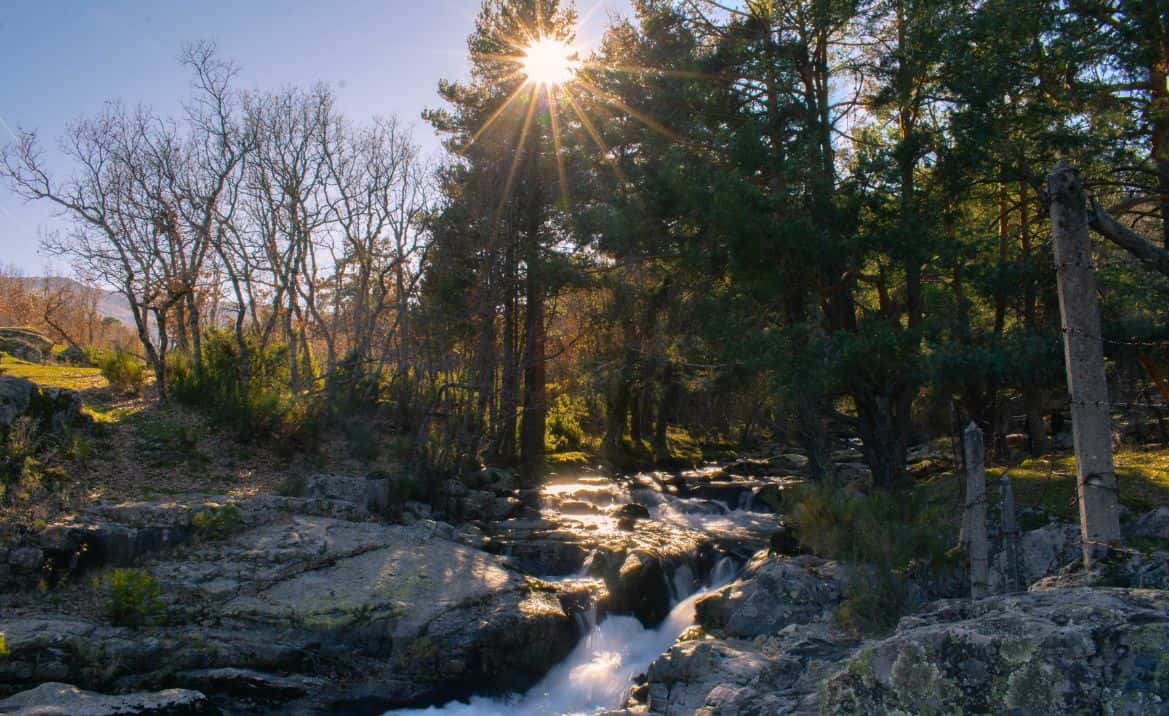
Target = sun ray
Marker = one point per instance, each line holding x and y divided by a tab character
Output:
657	71
515	162
624	107
561	173
494	116
592	132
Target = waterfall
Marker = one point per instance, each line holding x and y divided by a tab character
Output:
597	675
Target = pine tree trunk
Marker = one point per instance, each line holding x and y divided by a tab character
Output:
535	369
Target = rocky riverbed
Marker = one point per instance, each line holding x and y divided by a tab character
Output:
320	604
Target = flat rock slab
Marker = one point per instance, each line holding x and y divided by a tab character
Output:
394	613
55	699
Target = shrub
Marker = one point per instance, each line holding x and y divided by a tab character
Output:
266	408
293	485
125	373
884	535
218	522
3	646
563	430
135	598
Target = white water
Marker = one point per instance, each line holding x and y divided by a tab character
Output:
597	675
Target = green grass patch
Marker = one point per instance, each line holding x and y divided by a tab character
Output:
54	376
1049	483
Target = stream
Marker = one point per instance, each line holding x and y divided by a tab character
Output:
691	523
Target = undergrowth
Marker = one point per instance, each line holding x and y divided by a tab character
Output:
885	537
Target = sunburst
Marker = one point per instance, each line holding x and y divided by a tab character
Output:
549	62
551	77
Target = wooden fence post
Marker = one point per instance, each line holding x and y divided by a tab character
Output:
1014	575
1084	363
975	519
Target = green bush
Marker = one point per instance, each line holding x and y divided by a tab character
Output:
883	535
266	408
563	431
134	598
3	646
218	522
125	373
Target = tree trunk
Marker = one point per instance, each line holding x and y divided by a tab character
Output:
666	406
535	369
884	431
1084	360
509	390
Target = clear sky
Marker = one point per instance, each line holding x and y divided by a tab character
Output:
60	60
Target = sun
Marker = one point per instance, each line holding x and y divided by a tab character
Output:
549	62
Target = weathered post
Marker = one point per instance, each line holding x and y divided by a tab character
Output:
1084	363
975	519
1014	576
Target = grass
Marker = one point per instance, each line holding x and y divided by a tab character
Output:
1049	483
56	376
570	457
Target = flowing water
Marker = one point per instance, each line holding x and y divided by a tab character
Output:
598	673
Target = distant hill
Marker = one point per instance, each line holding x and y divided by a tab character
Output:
111	305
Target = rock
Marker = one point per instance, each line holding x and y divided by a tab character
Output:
1043	552
1153	524
39	341
849	454
52	409
772	593
633	511
15	396
395	614
255	689
925	451
639	588
1066	651
793	461
783	542
52	699
755	467
853	472
347	488
628	515
773	675
21	349
769	496
26	560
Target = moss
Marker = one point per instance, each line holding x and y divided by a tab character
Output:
920	685
1033	689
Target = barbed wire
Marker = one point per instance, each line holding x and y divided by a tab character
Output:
1116	341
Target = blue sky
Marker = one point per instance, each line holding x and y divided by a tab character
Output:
63	60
